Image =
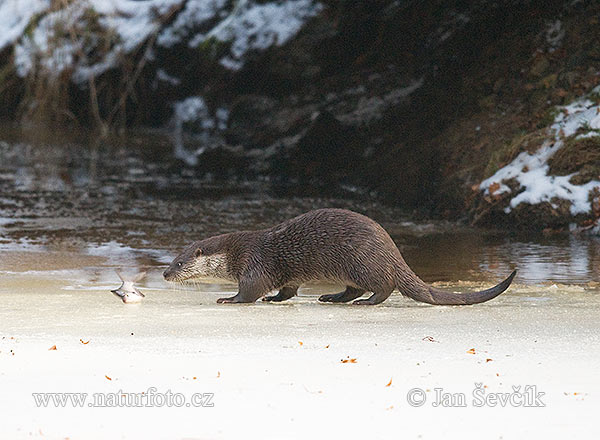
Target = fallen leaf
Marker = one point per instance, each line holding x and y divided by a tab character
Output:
327	346
352	361
218	374
471	351
107	377
429	338
493	188
488	360
300	343
84	342
194	377
389	383
52	348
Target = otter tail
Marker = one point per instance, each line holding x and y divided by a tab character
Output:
414	287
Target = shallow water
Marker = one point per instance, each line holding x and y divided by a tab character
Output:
74	212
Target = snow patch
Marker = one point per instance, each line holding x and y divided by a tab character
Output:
531	170
56	45
195	14
194	112
61	40
252	26
15	16
554	34
372	108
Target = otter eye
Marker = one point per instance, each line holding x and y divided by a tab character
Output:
198	252
179	264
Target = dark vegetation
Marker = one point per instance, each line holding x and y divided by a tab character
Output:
332	106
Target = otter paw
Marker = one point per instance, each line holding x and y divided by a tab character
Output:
226	300
364	302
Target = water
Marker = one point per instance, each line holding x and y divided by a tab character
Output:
79	209
71	214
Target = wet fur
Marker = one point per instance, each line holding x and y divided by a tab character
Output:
323	245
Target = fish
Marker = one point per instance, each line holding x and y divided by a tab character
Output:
127	291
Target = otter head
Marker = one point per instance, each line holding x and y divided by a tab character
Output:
204	259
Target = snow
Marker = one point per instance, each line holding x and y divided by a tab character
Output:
162	75
190	110
15	15
55	44
252	26
284	361
55	50
554	34
195	14
531	171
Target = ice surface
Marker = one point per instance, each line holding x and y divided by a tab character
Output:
276	368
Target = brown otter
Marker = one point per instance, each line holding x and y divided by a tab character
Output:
322	245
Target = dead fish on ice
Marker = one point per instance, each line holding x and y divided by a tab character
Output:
128	292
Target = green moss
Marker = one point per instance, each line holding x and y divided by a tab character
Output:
577	155
213	48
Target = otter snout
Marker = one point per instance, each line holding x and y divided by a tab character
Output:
168	274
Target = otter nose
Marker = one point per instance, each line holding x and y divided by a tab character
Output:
165	273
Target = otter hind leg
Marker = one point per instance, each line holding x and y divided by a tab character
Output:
285	293
347	295
377	298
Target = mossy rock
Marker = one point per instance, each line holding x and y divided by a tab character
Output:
577	155
529	142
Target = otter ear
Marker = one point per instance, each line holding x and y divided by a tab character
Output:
198	252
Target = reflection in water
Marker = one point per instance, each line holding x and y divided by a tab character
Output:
568	260
135	205
474	255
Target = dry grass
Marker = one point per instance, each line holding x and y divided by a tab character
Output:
578	155
529	142
51	98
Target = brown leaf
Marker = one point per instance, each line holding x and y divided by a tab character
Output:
352	361
218	374
52	348
327	346
389	383
300	343
471	351
493	188
84	342
429	338
488	360
107	377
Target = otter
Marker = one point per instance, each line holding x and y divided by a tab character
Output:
334	245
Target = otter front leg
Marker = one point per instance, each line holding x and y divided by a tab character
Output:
347	295
248	292
284	293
